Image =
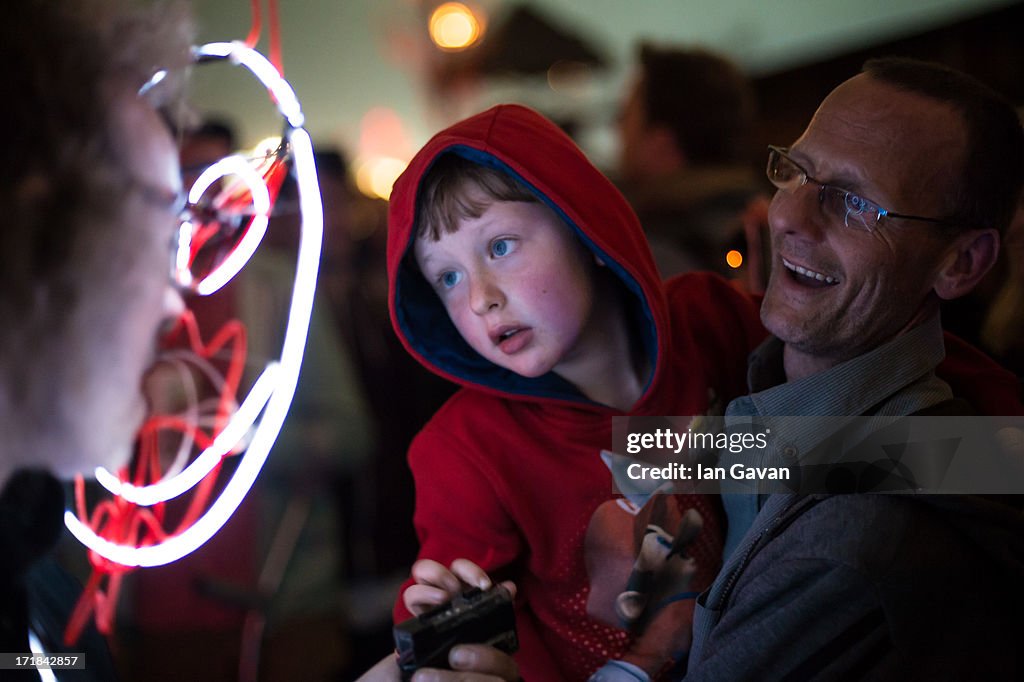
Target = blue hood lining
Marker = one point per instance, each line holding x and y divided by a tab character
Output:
424	321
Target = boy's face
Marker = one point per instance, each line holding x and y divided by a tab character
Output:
517	285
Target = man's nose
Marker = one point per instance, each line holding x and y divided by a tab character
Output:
485	294
797	213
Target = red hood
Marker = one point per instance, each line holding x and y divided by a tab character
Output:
532	149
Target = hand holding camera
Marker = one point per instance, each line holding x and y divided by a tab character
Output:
456	605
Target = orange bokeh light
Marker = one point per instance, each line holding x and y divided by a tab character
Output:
734	258
454	26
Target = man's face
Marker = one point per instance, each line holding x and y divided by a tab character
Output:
898	149
125	296
517	285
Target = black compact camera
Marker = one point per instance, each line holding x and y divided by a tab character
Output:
474	617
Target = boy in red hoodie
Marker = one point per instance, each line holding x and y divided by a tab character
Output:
518	271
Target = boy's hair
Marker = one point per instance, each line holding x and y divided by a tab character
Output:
455	188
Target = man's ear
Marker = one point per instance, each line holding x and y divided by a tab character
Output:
968	259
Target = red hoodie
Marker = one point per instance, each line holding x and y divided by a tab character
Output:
508	473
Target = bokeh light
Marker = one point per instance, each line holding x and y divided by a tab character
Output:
734	258
376	175
454	26
383	153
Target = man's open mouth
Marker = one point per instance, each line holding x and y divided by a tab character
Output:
807	276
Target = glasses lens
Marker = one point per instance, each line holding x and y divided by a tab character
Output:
227	220
211	237
782	172
865	212
849	208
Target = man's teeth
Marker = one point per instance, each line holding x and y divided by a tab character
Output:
810	273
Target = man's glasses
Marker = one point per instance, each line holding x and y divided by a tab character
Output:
848	207
225	218
225	212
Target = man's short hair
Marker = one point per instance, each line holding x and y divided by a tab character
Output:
703	98
986	192
455	188
64	62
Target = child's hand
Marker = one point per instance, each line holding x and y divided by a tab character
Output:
436	585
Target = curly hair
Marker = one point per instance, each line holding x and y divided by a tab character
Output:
64	64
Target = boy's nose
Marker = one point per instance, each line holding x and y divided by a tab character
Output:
484	295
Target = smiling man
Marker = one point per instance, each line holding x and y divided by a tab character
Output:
893	199
838	293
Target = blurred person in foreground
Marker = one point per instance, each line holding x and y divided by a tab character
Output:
91	189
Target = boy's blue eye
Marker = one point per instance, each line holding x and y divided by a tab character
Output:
449	278
501	247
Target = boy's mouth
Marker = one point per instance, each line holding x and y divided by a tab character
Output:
510	338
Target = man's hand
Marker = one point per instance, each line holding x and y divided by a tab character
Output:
469	662
436	585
